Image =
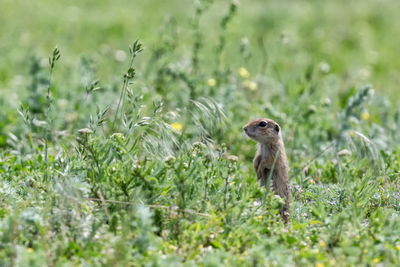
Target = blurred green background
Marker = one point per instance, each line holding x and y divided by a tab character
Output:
358	39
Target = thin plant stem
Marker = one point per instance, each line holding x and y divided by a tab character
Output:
270	175
134	50
56	56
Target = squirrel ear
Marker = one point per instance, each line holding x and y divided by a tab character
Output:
277	128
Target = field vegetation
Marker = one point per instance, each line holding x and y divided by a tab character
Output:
121	140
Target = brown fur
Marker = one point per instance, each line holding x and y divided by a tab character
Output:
270	144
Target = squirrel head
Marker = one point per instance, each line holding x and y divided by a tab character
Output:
264	131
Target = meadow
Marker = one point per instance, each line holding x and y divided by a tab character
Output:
121	140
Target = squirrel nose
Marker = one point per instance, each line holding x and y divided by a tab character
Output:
245	128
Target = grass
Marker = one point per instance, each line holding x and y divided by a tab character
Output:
124	153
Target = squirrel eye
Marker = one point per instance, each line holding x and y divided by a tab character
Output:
262	124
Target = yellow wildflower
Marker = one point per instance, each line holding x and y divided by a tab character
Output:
177	126
398	247
357	237
244	73
365	116
319	265
365	251
252	86
245	253
30	250
260	217
376	260
172	247
322	243
211	82
351	133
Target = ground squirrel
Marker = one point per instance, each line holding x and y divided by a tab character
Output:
268	135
